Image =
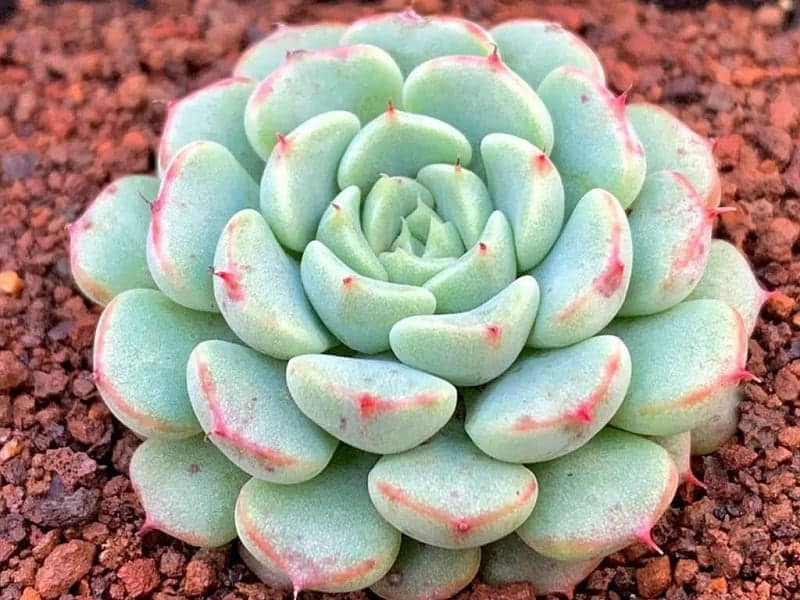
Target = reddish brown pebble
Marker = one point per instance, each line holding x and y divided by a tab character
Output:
654	578
780	305
790	437
200	577
11	283
29	594
139	577
727	149
685	571
12	371
65	566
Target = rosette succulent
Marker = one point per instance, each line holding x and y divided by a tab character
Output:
408	288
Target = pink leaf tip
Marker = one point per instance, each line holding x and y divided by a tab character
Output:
645	537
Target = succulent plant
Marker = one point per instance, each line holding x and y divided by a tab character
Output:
408	288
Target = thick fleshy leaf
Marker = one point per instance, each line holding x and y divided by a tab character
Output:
404	267
412	39
423	571
107	242
595	143
676	371
478	95
443	241
671	230
376	405
188	489
511	560
340	230
203	187
670	144
300	177
533	48
214	113
324	534
460	499
461	198
242	402
582	511
400	143
141	346
358	310
266	55
728	277
541	409
526	186
585	277
419	220
711	435
273	577
473	347
258	290
486	268
358	79
679	446
389	200
406	240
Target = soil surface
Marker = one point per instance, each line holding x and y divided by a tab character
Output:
83	91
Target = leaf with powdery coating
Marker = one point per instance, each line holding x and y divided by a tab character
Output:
258	290
679	447
526	186
274	578
460	499
728	277
266	55
203	187
141	346
388	202
299	180
712	435
511	560
423	571
358	79
461	198
242	402
581	513
671	230
485	269
214	113
533	48
670	144
358	310
595	143
538	410
585	276
478	95
676	372
404	267
188	490
324	534
377	405
412	39
340	230
107	242
443	241
470	348
400	143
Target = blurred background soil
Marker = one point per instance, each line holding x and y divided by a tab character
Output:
83	93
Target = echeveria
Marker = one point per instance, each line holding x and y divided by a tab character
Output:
415	278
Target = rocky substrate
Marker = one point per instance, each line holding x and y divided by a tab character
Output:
83	93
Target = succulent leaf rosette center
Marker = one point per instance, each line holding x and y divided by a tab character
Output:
406	299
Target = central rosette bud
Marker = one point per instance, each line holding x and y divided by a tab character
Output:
411	233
